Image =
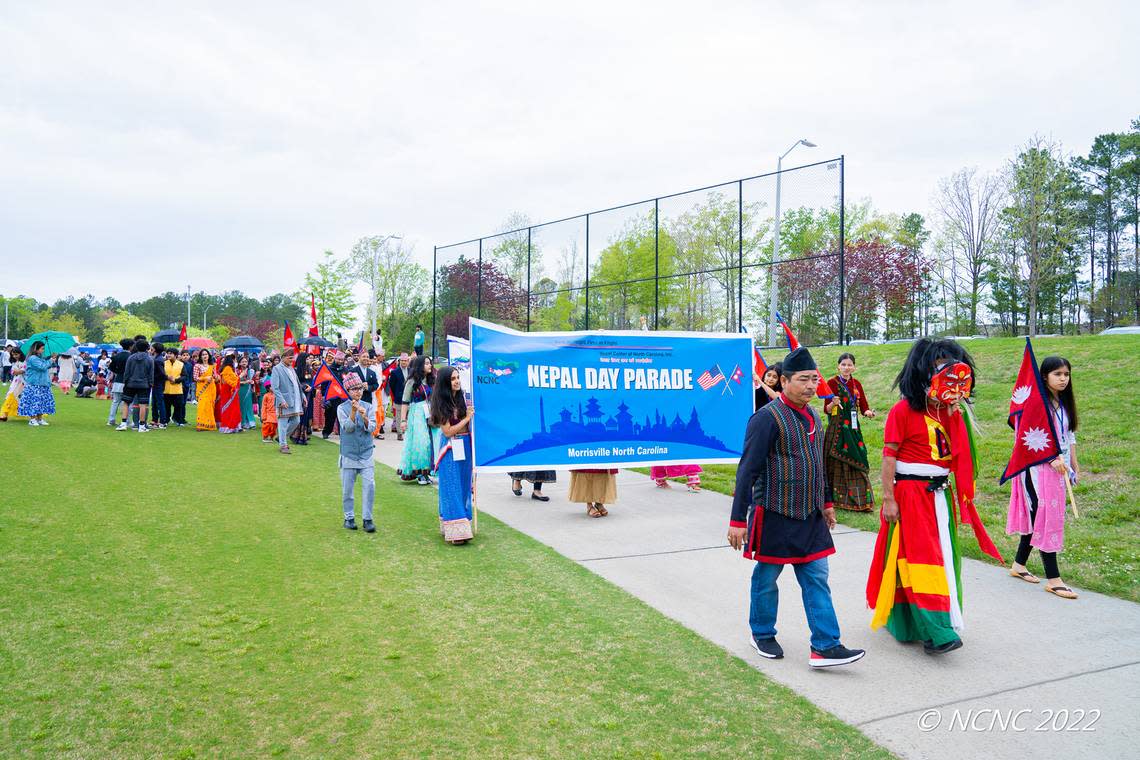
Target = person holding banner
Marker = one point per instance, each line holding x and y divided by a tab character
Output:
782	515
843	447
914	584
1037	500
450	415
416	459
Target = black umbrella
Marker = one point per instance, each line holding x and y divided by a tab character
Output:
316	340
166	336
244	342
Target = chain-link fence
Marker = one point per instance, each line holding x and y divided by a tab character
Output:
712	259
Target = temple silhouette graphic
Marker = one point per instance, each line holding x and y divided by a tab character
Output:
594	426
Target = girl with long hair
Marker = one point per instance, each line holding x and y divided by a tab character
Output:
416	460
451	416
1037	500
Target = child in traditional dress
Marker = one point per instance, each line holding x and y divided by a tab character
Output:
268	410
1037	501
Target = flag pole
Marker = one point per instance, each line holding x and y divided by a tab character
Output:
1069	491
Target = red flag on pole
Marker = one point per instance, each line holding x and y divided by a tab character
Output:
333	388
1035	439
289	341
182	335
313	314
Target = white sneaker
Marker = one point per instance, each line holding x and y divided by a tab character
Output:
43	423
123	426
143	429
33	423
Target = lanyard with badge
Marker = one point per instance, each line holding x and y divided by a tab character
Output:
854	404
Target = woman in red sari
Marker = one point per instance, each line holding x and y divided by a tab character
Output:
229	403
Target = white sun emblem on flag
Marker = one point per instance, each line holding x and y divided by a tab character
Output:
1020	393
1036	439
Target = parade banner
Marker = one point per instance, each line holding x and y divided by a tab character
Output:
561	400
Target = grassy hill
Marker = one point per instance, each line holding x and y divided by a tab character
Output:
1101	547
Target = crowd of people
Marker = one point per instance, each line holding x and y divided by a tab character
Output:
792	475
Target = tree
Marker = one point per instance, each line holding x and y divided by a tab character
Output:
911	234
44	320
464	289
510	250
968	203
261	329
123	324
20	312
1042	222
331	285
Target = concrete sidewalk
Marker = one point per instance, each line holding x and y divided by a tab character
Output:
1037	676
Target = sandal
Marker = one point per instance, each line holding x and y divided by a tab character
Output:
1062	591
1026	576
602	509
593	511
663	483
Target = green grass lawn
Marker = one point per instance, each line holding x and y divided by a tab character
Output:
181	594
1101	548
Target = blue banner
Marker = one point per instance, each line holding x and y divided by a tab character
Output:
562	400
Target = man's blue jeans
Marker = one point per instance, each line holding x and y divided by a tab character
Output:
812	577
158	412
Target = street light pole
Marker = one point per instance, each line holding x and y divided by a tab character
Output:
204	313
774	329
187	304
372	281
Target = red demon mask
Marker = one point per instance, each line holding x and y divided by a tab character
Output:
952	383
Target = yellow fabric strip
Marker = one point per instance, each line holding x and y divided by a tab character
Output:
886	599
923	579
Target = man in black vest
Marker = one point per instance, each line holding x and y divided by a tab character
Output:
782	514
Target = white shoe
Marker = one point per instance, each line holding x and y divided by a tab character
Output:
123	426
43	423
143	429
33	423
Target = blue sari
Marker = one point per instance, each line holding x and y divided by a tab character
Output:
456	510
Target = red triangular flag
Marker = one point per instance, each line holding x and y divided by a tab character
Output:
822	389
289	341
182	335
333	388
1035	438
313	314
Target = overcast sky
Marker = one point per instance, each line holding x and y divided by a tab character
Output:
146	147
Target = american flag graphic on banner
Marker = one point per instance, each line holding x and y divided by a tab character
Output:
710	377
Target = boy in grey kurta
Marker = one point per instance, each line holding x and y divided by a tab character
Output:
357	424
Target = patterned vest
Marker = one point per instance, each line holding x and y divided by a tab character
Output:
793	482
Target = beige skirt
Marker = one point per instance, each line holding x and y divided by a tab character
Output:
593	488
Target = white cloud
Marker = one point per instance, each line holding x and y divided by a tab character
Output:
146	146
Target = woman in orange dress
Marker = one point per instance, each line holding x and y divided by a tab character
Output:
205	387
229	402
